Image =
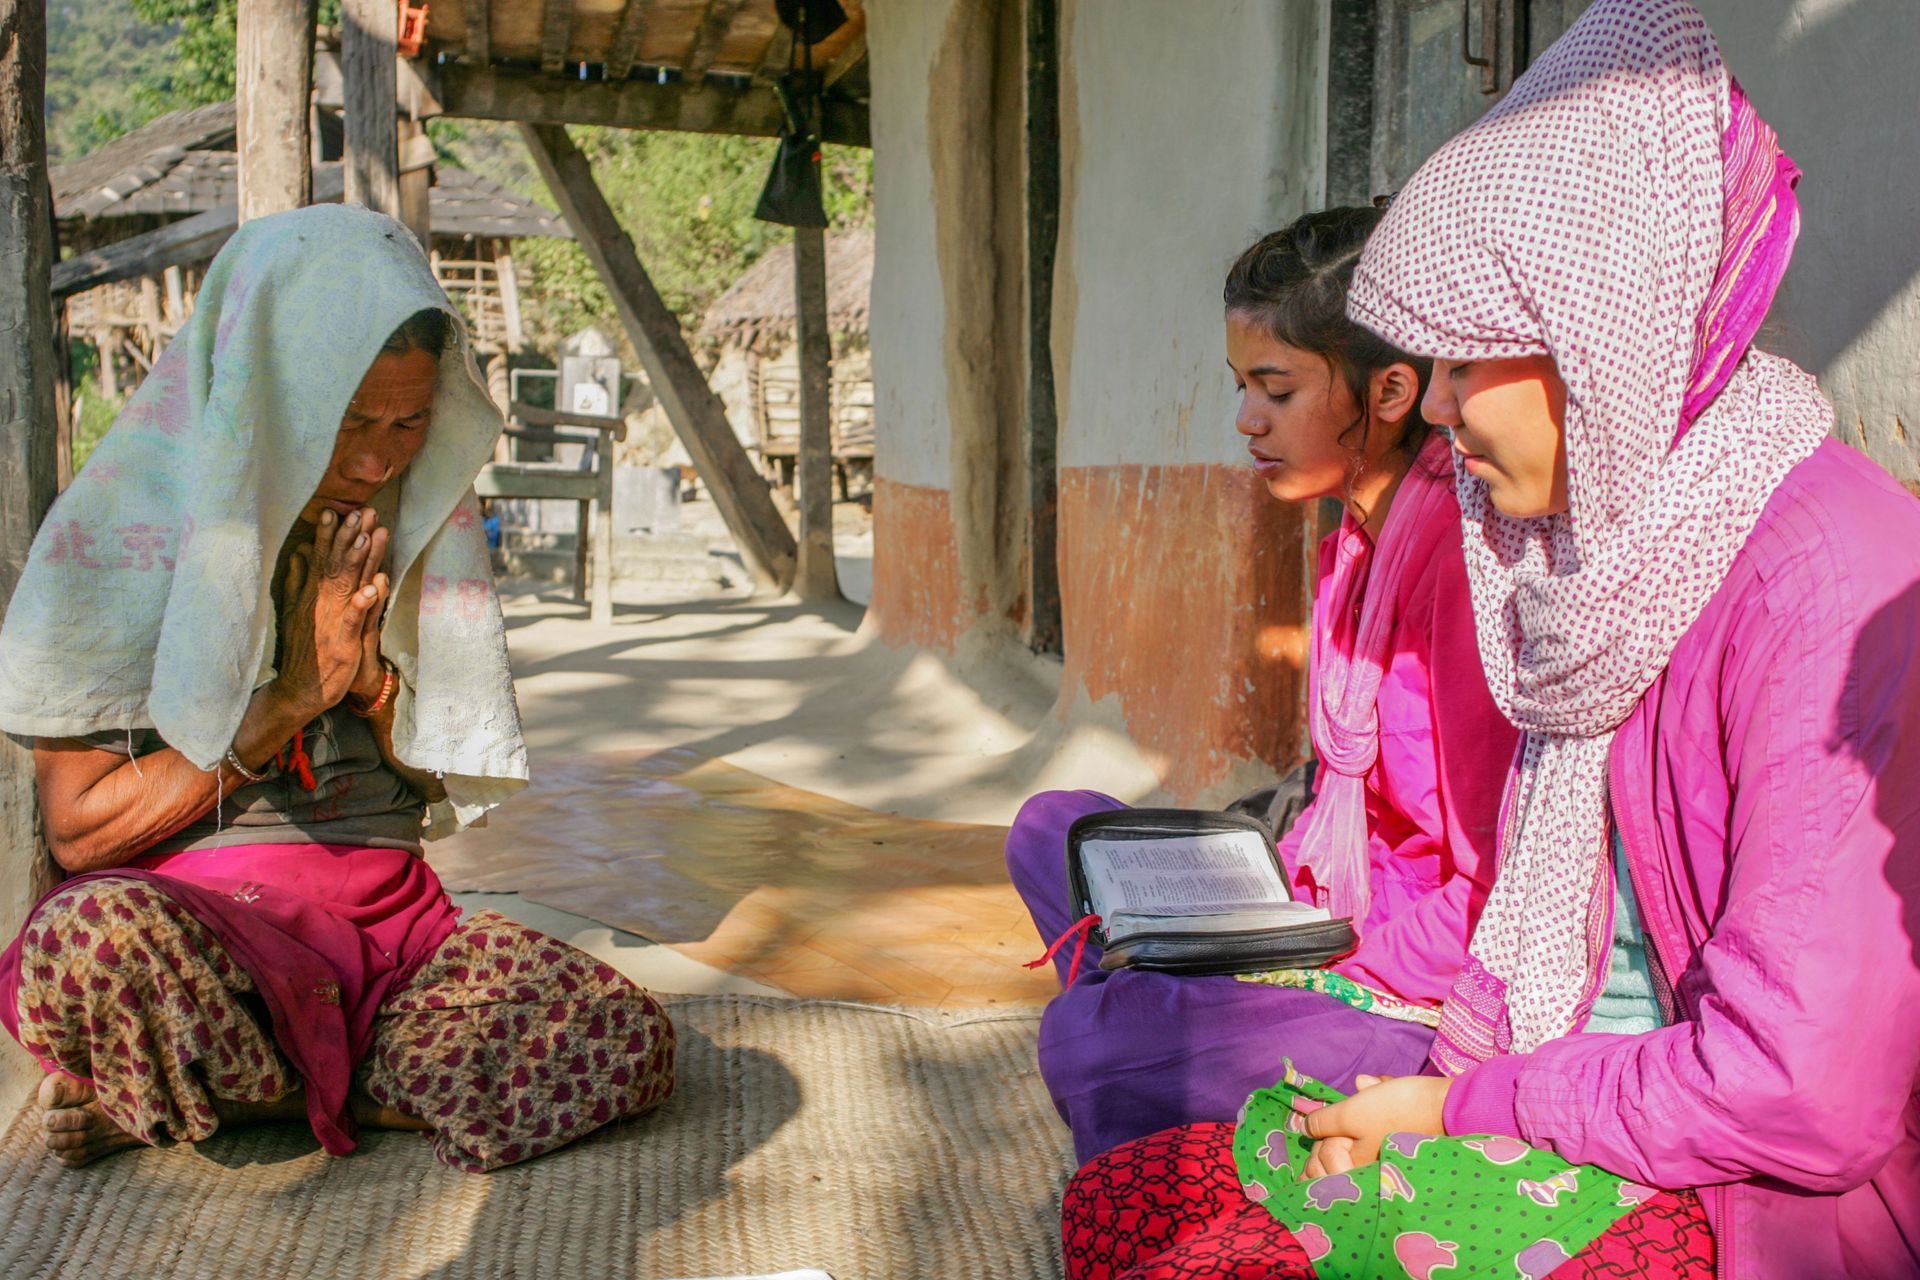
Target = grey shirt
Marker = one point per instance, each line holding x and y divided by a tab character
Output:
357	798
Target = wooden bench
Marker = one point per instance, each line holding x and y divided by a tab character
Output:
591	488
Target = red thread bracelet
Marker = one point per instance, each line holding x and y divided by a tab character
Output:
389	681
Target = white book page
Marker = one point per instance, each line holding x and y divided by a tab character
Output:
1212	874
1125	925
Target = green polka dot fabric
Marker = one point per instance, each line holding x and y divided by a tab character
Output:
1454	1208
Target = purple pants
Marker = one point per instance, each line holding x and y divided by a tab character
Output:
1130	1052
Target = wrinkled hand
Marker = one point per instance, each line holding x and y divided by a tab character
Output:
371	675
331	614
1351	1131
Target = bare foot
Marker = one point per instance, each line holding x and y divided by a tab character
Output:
74	1128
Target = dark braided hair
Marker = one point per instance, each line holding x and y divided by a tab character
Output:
1293	284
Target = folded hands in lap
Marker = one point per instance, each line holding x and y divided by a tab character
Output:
1350	1132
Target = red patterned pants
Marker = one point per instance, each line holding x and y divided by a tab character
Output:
1169	1207
158	1016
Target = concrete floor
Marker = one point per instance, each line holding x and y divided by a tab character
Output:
653	966
831	866
804	696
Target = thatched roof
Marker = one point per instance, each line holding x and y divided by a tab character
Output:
184	163
759	309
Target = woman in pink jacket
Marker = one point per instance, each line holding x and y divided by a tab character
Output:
1705	616
1400	832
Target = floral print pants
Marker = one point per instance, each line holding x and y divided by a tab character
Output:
120	985
1170	1207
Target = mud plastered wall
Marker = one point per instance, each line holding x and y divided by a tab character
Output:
1182	581
1835	78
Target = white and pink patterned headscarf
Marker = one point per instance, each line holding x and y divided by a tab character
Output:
1624	211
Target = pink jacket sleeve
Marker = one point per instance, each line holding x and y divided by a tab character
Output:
1802	1050
1447	757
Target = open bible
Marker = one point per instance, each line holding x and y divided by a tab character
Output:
1194	891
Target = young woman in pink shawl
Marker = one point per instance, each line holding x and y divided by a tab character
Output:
1411	748
1696	973
288	652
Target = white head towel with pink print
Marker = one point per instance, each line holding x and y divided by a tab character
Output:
146	599
1582	218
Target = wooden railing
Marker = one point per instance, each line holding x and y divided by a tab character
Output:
591	488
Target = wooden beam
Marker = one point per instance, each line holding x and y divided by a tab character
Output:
697	415
815	579
367	53
501	93
626	39
778	56
28	425
850	57
497	480
534	416
479	15
273	77
707	40
555	31
188	240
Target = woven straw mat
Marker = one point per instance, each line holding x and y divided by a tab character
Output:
872	1143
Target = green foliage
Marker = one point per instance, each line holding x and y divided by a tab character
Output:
201	62
97	413
685	199
100	62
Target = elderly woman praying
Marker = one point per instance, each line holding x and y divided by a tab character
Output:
257	647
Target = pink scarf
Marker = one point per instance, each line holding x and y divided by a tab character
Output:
1346	662
326	932
1622	211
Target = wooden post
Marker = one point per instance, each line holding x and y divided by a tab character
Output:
175	314
27	424
64	401
597	561
816	579
509	296
416	180
107	343
697	415
272	82
368	31
150	317
1043	235
498	384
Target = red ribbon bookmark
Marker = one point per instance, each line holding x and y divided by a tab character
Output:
1079	928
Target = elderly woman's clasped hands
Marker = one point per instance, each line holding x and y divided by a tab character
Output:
333	595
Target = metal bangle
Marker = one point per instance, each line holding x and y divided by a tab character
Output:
233	763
